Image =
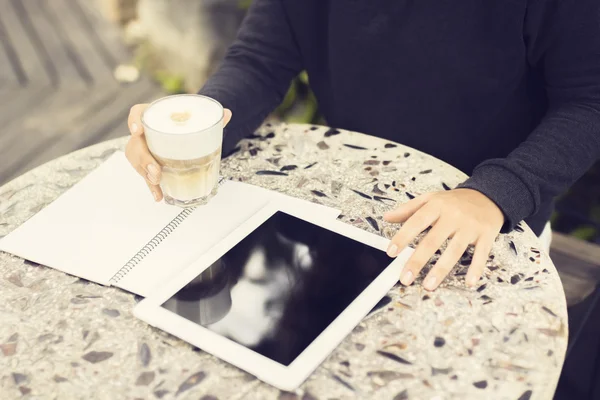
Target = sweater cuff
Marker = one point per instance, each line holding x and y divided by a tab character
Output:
505	189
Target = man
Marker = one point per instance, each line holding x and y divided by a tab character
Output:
508	91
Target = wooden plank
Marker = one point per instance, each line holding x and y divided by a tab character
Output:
26	22
109	40
17	137
38	124
72	128
54	115
21	101
101	121
72	54
24	139
51	41
83	42
578	264
11	70
31	60
576	249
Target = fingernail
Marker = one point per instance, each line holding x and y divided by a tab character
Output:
407	278
392	251
472	280
155	195
430	283
134	127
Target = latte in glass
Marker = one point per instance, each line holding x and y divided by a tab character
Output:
184	134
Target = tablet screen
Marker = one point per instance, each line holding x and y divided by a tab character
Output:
276	290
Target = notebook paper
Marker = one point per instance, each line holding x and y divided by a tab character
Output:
94	227
97	227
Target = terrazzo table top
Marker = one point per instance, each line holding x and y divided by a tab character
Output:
64	338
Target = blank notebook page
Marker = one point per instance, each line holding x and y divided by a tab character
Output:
95	227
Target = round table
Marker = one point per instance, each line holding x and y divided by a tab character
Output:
61	337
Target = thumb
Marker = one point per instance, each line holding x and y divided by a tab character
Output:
226	116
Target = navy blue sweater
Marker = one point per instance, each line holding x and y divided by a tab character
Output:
508	91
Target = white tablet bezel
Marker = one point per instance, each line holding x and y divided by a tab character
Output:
289	377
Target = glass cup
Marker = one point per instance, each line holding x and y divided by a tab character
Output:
184	134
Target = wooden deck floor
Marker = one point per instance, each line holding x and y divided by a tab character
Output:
57	90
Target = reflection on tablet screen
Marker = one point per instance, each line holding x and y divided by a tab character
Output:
280	287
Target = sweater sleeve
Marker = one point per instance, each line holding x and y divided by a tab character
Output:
256	71
563	44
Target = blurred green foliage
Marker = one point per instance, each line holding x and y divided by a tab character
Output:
145	61
300	104
585	232
244	4
170	83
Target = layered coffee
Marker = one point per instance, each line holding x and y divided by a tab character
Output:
184	134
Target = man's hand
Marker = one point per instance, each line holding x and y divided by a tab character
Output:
466	216
138	154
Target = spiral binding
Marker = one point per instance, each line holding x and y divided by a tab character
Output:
151	245
154	242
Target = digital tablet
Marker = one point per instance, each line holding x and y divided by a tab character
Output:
278	294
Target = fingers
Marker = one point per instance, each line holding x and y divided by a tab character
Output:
142	161
416	224
404	211
226	116
135	119
480	256
425	250
155	190
446	262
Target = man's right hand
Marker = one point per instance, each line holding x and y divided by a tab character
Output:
138	154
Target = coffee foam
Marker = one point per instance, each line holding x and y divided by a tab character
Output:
183	127
183	114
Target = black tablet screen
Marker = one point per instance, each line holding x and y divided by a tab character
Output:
280	287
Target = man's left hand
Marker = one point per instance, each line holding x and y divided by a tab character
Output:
466	216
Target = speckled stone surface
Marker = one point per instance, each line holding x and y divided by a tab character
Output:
64	338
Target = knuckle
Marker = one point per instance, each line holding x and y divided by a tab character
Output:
413	266
456	214
418	220
398	238
132	147
128	150
417	262
466	237
443	268
432	240
489	239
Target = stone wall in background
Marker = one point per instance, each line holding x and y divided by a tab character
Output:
188	37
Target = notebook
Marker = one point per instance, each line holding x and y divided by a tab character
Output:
109	230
